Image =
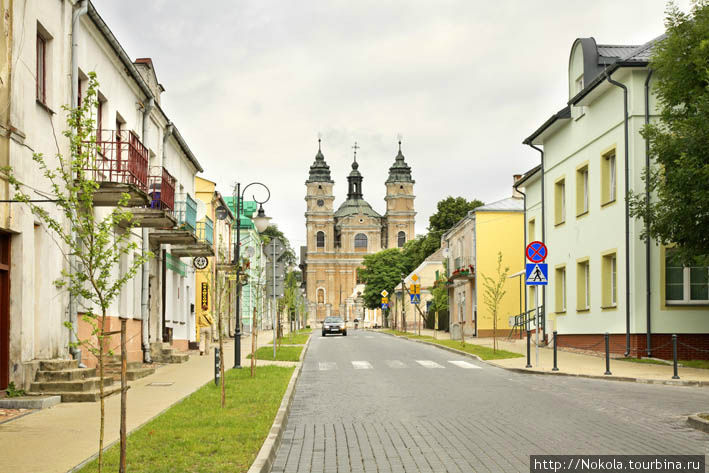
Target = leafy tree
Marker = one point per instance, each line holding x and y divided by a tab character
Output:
450	211
420	248
96	241
679	141
381	271
272	231
493	293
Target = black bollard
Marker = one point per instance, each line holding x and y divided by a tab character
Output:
555	368
217	371
674	356
608	357
529	364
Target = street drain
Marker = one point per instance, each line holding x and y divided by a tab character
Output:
161	385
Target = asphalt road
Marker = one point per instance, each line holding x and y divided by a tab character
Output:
371	402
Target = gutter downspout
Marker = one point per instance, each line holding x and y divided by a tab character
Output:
627	217
524	252
145	280
73	305
161	329
544	240
647	225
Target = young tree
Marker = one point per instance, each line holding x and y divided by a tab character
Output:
97	243
494	292
679	142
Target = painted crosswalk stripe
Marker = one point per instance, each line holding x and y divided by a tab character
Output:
464	364
361	365
327	365
428	364
395	364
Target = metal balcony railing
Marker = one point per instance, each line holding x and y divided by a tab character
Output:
205	231
460	266
186	212
161	189
120	158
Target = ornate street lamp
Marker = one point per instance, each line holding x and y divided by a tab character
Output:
261	223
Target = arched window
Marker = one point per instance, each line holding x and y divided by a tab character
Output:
320	237
321	296
360	241
401	239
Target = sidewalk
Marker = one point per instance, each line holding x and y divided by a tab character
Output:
581	364
59	438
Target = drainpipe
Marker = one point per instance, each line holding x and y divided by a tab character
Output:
544	240
524	252
168	132
145	281
83	8
627	216
647	225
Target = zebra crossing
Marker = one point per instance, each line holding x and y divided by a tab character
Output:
392	364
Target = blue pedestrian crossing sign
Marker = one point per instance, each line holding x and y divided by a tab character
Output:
415	298
385	306
537	274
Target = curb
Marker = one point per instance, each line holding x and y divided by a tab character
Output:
267	453
668	382
698	423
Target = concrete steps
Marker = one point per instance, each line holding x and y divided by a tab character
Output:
135	369
64	378
164	353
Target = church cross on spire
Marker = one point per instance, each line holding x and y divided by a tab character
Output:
355	148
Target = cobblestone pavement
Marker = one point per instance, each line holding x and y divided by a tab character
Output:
373	403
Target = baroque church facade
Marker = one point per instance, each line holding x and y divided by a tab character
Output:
338	240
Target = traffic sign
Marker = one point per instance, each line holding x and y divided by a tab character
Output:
536	252
384	293
385	300
415	298
537	274
385	306
415	278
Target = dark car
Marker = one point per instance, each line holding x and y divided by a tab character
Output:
334	325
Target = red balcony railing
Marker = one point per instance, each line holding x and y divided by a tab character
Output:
121	158
161	189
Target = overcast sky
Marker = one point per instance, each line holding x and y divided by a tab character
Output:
251	84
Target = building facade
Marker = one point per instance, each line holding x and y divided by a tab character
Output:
338	240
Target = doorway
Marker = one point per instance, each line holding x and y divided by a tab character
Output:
4	310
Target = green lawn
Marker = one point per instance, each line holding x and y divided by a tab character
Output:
197	435
485	353
282	353
647	361
296	338
701	364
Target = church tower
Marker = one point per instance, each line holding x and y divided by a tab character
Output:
400	214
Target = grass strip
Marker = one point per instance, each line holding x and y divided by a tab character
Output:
296	338
197	435
282	353
484	353
699	364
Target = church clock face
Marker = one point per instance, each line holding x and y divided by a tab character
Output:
320	202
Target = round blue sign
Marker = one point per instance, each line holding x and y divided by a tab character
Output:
536	252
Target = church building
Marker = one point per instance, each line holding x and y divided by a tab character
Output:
338	240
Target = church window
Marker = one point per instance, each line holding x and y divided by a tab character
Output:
360	241
401	239
321	296
320	238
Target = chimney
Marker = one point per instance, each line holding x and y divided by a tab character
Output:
515	193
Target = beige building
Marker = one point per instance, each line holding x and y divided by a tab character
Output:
338	240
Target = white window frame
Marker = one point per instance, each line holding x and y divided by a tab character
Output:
584	181
562	201
587	284
563	290
611	177
614	280
686	290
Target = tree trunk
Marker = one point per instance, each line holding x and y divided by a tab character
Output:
221	359
253	342
100	390
124	396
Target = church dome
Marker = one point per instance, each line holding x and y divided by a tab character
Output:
355	207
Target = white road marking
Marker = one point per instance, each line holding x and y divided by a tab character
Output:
327	365
428	364
395	364
361	365
464	364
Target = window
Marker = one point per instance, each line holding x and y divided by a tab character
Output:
401	239
320	239
579	83
560	290
685	284
360	242
609	280
41	68
582	190
560	201
531	230
583	294
321	296
608	177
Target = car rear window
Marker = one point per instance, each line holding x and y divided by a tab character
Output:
333	320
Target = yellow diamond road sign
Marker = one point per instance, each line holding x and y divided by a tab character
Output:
384	293
415	278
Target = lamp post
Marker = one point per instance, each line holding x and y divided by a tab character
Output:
261	223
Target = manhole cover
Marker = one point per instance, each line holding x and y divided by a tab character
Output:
161	385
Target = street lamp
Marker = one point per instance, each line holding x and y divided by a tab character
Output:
261	223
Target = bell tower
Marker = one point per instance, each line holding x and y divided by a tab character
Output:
320	200
400	215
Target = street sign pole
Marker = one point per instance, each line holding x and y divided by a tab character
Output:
536	332
275	309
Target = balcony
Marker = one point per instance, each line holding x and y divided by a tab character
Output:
161	192
120	166
184	218
186	212
461	267
203	232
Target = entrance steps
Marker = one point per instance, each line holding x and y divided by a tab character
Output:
135	369
64	378
162	352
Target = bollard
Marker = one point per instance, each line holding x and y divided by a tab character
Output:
217	371
608	357
555	368
529	364
674	356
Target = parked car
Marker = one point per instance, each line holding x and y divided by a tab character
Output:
334	325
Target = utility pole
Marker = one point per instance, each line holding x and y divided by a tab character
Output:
275	308
403	307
